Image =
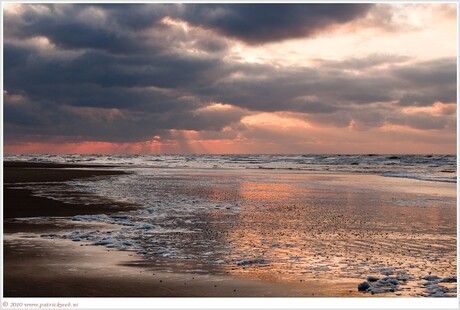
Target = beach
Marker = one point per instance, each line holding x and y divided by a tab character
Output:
271	155
74	230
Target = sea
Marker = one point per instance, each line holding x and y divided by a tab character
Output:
439	168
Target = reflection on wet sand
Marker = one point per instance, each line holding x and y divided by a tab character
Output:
285	229
289	231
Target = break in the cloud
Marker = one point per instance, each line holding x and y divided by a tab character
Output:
229	78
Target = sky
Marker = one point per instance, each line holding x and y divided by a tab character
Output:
230	78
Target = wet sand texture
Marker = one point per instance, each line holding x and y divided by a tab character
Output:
301	242
37	267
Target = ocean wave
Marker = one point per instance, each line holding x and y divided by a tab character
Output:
437	168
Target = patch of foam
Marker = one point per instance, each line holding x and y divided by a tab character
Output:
90	218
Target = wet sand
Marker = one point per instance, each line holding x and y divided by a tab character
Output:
392	227
19	202
39	267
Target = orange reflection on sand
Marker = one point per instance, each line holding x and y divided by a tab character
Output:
290	232
266	193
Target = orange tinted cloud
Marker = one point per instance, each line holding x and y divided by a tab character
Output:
437	109
388	139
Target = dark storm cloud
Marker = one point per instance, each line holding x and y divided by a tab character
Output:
111	28
22	117
337	97
118	28
428	82
117	73
262	23
110	71
138	16
305	89
107	124
429	72
424	121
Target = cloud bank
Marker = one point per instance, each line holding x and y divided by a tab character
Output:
123	73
